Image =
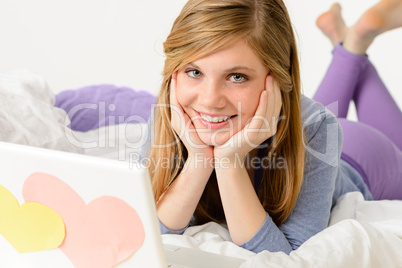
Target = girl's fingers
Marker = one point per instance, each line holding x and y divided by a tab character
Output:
264	123
177	113
173	99
275	105
278	99
264	106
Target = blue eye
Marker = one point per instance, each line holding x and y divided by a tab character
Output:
194	73
238	78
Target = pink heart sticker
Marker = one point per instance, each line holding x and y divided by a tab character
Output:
101	234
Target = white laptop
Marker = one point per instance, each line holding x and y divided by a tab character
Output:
112	193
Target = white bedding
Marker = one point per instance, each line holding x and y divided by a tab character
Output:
28	115
362	238
361	233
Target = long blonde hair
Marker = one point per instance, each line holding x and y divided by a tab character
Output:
204	27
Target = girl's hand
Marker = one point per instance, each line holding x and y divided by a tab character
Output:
262	125
185	129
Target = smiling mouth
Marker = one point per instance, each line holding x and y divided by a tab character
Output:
214	119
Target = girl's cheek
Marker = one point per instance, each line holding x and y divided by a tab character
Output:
185	95
248	104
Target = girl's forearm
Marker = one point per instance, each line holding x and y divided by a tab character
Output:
243	210
177	205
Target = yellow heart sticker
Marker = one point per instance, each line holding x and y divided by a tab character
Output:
31	226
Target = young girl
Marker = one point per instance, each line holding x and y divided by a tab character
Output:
238	142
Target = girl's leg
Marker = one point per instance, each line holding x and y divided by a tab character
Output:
376	107
341	78
340	81
352	77
374	104
371	150
366	145
375	157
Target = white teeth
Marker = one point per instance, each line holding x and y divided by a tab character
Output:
214	119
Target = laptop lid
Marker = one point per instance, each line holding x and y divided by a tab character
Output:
106	206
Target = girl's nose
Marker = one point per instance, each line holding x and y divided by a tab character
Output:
212	95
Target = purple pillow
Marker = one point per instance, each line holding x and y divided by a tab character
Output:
96	106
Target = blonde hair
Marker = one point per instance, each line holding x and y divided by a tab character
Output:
203	27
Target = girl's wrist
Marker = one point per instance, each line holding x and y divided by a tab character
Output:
199	162
225	162
229	158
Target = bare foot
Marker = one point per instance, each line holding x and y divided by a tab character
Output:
383	16
332	25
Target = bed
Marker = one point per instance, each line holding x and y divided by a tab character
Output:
360	233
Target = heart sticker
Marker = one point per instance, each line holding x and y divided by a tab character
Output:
101	234
31	226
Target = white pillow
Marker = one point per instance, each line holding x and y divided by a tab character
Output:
28	115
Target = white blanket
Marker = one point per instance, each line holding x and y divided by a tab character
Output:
369	234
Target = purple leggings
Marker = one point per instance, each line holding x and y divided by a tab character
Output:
373	145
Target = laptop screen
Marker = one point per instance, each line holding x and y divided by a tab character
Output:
61	209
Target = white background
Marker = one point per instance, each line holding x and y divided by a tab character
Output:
82	42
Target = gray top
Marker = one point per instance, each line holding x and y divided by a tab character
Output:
326	178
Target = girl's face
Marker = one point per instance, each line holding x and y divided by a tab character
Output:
220	92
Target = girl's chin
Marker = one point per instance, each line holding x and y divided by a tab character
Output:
214	140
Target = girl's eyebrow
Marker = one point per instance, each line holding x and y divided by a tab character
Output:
240	67
230	70
195	66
